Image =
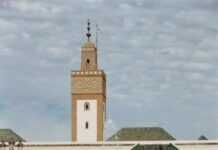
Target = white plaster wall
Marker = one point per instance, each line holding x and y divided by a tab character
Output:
86	135
198	147
88	147
124	145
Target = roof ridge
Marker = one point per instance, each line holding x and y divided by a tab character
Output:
5	129
141	133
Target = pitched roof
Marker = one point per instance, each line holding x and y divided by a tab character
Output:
202	137
155	147
7	135
141	134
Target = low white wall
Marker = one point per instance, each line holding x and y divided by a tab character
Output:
127	145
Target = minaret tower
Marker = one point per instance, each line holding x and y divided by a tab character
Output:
88	96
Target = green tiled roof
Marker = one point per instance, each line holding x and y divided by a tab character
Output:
141	134
155	147
7	135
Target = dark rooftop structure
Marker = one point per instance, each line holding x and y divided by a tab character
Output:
155	147
7	135
202	137
141	134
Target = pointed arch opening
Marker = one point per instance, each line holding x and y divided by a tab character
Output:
86	106
87	125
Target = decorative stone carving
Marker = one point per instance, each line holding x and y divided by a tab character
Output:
87	85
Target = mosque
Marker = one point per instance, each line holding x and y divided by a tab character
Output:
89	103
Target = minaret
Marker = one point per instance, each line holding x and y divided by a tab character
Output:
88	96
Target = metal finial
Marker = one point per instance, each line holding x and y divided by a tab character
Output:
88	34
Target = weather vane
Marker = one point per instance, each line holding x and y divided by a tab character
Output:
88	34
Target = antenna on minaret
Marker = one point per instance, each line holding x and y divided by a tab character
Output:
88	34
96	34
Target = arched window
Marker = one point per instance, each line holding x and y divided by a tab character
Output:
87	61
87	125
86	106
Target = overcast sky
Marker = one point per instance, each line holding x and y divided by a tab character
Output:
161	60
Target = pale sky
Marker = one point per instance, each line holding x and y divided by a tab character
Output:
161	60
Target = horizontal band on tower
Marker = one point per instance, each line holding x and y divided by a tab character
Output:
99	72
